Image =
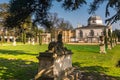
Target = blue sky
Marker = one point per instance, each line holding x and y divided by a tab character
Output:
1	1
79	16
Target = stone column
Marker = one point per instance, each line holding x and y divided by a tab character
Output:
33	41
113	43
102	45
14	41
28	40
109	44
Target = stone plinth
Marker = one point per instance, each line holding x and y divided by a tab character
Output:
102	48
102	45
14	41
53	66
28	40
113	44
33	41
109	45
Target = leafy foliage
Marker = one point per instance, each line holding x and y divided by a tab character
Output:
39	9
56	23
3	12
114	4
105	37
110	36
117	33
21	9
72	4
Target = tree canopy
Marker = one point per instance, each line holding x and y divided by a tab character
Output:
39	9
110	4
3	13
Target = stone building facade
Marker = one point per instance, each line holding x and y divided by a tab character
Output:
88	34
92	31
67	35
46	38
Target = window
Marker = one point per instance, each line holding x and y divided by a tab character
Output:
81	34
91	32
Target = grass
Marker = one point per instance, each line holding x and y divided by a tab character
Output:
20	62
93	63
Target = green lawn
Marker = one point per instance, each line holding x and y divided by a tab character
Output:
92	63
20	62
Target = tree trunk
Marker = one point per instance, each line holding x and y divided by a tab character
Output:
3	38
23	37
40	39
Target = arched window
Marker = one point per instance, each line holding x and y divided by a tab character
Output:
91	32
81	34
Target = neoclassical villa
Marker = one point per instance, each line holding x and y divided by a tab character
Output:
87	34
92	31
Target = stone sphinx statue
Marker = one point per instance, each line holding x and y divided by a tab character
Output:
57	47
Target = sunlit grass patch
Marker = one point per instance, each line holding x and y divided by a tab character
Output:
20	62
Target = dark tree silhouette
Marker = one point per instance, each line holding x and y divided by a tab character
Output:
113	4
21	9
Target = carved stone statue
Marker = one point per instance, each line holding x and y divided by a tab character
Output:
57	47
102	45
56	62
59	38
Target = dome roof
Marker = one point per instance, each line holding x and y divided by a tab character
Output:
94	18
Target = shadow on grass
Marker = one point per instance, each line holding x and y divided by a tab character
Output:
17	69
94	73
14	52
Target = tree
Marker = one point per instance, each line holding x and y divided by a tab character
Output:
56	23
117	34
113	4
105	38
25	26
110	36
40	38
64	24
3	13
21	9
53	24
